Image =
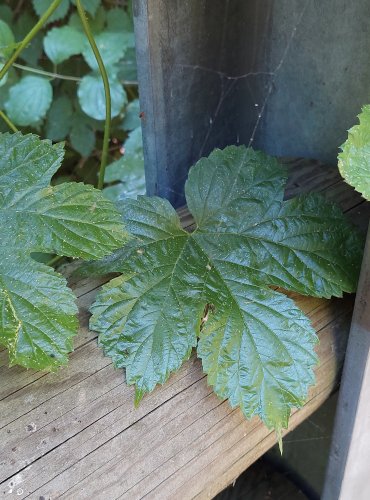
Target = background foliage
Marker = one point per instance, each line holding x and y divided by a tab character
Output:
55	89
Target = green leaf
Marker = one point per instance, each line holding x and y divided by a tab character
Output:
119	20
96	23
91	6
6	14
112	47
132	116
256	346
354	160
91	96
6	40
40	7
82	136
59	119
128	170
127	68
29	100
62	43
37	310
32	53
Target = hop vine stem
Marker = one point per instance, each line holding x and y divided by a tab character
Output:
104	75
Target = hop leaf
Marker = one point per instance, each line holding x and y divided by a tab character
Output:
354	161
256	346
37	310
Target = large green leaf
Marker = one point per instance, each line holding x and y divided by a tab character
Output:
37	310
29	100
62	43
91	96
354	160
256	345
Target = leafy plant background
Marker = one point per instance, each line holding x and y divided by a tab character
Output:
73	109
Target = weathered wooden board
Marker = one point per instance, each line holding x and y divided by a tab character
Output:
349	463
76	434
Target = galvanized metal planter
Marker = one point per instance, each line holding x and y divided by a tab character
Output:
287	76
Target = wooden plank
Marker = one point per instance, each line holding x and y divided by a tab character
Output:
348	470
76	433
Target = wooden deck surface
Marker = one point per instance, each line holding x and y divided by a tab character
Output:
76	434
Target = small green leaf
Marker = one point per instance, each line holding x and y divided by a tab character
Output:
96	23
91	6
354	160
127	67
256	346
37	310
82	136
29	100
59	119
7	40
40	7
119	20
62	43
6	14
128	170
32	53
132	118
112	47
91	96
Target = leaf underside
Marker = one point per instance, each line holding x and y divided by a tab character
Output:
354	160
37	310
256	345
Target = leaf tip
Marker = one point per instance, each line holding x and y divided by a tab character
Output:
279	438
139	394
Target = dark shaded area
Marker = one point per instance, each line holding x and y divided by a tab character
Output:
288	77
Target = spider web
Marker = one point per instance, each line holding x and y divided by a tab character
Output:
227	85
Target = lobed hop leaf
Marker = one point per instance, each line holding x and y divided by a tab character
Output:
256	345
37	310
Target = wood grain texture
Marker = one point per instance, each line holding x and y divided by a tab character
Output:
349	462
76	434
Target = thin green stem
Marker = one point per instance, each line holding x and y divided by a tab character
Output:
46	73
59	76
8	121
104	76
27	39
55	260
